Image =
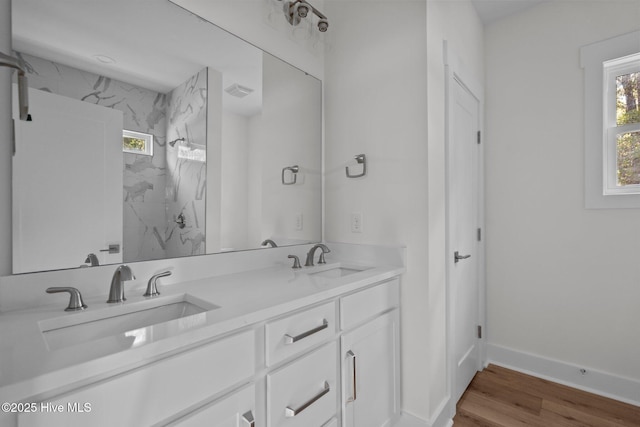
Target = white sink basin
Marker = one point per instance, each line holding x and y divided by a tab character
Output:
124	319
337	272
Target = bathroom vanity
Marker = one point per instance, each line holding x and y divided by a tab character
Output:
273	347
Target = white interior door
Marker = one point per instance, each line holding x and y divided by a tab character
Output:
67	184
463	235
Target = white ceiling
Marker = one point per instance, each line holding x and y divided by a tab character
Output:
156	44
492	10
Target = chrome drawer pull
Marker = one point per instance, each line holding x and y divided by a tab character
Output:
289	412
354	383
288	339
248	419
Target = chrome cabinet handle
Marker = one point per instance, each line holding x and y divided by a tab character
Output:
354	394
457	257
248	419
290	412
288	339
75	299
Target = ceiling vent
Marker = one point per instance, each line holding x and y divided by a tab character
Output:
238	91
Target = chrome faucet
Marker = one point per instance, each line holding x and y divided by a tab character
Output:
92	260
152	285
121	275
269	242
75	299
311	253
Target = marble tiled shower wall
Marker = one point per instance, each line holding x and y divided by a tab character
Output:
144	194
186	178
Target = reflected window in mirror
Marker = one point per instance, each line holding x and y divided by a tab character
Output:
137	142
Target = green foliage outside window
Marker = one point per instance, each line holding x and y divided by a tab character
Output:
133	144
628	144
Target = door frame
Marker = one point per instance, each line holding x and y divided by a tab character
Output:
455	73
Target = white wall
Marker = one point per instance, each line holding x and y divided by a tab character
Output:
376	104
291	135
563	282
262	23
235	172
458	24
6	141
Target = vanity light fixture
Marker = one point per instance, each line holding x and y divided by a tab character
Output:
295	10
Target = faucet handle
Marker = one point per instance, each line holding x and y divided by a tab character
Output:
296	261
152	286
75	298
322	260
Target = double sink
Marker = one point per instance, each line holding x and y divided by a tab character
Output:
184	311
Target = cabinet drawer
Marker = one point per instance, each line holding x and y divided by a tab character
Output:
363	305
155	392
303	393
294	334
234	410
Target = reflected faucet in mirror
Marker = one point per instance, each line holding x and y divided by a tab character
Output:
268	243
92	260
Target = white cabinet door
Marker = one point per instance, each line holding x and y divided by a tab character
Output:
234	410
370	373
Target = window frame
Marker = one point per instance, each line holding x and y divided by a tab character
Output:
612	70
140	135
598	155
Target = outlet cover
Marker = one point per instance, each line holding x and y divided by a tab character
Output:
299	221
356	222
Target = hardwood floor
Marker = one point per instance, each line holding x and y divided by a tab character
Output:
499	397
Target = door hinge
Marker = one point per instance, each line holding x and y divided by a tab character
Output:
479	331
479	234
479	137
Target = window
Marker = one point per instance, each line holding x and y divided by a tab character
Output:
612	122
137	142
622	122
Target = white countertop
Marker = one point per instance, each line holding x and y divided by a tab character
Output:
28	367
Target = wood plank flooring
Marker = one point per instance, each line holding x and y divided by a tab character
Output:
499	397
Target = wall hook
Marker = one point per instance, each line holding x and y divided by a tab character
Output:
362	160
294	172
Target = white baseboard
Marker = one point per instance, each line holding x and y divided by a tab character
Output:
408	420
597	382
440	419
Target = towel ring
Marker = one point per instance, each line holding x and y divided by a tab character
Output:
294	172
362	160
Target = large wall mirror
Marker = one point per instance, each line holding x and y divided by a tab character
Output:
155	134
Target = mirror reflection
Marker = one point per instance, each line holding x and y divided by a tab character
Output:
154	135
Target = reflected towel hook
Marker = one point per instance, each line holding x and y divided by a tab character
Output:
362	160
294	172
